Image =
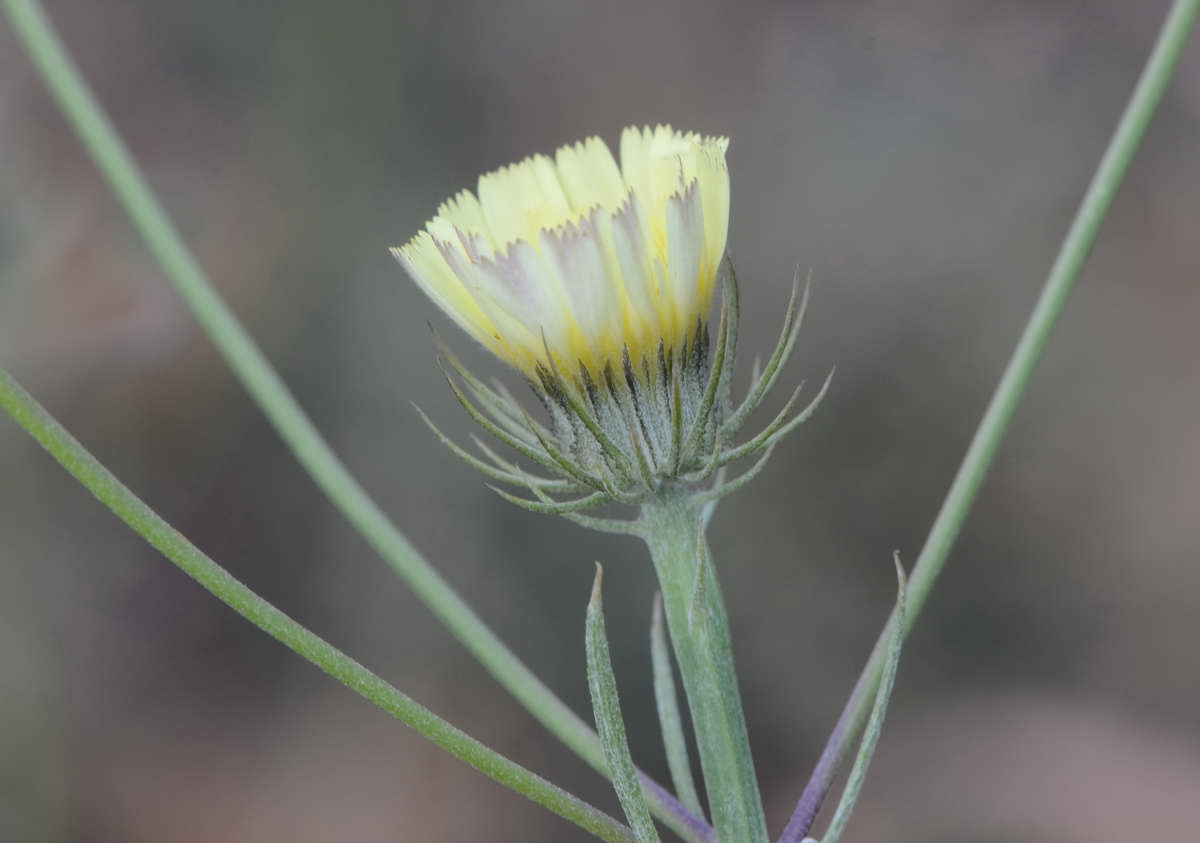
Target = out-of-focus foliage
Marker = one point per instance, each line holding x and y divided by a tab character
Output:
923	159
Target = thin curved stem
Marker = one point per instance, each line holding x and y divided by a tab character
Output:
670	719
272	396
85	468
1160	67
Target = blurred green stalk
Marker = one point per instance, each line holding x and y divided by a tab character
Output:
1077	244
267	389
85	468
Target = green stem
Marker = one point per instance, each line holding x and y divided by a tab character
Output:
1160	67
669	718
25	410
267	389
699	630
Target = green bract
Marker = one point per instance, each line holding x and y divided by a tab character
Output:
635	431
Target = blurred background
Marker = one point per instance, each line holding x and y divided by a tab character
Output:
923	159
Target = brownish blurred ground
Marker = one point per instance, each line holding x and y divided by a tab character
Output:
922	158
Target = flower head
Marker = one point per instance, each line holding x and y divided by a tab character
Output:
574	262
595	280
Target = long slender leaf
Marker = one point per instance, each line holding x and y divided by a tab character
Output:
607	707
858	773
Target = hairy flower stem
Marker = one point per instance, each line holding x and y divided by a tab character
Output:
699	630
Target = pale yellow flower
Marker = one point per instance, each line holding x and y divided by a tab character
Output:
597	259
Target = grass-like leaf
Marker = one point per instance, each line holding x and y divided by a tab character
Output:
858	773
607	708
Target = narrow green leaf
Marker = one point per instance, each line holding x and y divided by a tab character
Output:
669	717
607	707
858	773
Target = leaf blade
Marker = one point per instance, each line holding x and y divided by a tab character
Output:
606	705
866	751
